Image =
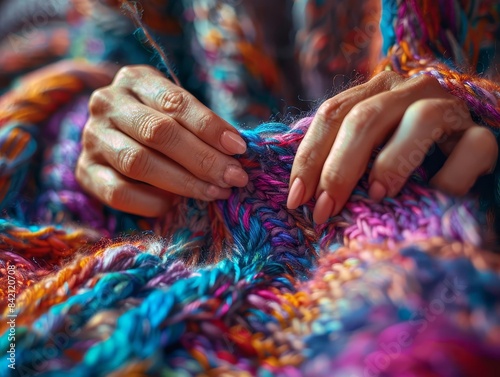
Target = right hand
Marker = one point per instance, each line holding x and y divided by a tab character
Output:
148	140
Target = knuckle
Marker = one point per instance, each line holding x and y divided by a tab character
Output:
115	195
89	137
387	74
188	185
100	101
426	82
131	73
80	169
388	79
205	123
329	110
153	131
427	108
332	177
133	162
206	161
360	116
307	159
172	101
126	73
165	134
485	142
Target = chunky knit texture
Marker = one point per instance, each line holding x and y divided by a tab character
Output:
245	286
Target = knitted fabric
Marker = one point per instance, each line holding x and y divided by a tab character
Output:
244	286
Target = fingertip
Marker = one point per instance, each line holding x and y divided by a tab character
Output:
442	183
233	142
214	192
377	191
296	194
324	208
389	181
235	176
433	181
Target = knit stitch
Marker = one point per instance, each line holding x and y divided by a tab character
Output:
245	285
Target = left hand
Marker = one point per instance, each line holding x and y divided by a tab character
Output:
409	116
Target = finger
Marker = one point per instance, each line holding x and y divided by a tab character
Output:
365	127
163	134
159	93
424	123
316	145
474	155
370	120
140	163
115	191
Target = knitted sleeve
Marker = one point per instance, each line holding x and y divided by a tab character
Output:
455	43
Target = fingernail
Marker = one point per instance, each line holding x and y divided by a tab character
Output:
235	176
377	191
233	142
296	194
323	208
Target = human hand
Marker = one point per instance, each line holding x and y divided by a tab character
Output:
411	116
147	139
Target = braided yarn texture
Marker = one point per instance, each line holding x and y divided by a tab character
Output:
246	287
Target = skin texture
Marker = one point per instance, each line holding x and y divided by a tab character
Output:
410	116
148	140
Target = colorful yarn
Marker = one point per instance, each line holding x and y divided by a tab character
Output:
244	286
247	286
426	39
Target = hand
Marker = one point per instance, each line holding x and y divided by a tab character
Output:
411	116
147	139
